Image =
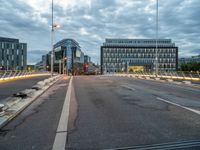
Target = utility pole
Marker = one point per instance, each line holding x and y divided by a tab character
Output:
156	59
52	32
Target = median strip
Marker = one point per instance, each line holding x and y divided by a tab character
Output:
14	105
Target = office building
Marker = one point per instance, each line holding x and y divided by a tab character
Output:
87	59
120	55
39	66
46	61
69	56
13	54
189	59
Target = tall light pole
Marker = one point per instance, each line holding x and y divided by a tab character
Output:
156	59
52	32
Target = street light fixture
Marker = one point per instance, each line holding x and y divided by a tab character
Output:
56	26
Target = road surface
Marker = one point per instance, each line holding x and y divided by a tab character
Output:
108	113
115	112
35	128
11	87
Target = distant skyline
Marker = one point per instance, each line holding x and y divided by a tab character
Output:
89	22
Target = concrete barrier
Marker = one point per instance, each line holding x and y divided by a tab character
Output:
170	80
157	78
1	107
187	82
14	105
42	83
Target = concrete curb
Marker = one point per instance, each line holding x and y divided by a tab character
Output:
4	119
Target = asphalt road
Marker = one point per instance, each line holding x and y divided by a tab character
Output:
108	113
35	128
11	87
117	112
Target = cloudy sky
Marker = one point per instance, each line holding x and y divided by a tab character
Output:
91	21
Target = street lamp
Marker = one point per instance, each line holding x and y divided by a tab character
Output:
156	59
52	41
56	26
52	30
53	27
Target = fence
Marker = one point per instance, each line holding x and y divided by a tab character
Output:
170	75
5	75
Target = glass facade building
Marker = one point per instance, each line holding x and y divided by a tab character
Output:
13	55
68	52
122	54
87	59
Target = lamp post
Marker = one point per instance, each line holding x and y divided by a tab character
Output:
156	59
52	30
53	27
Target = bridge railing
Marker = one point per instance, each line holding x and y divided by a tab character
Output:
10	74
170	74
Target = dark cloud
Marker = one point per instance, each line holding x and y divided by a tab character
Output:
91	24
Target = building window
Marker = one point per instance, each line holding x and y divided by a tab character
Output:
17	60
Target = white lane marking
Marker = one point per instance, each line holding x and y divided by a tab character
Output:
61	134
130	88
187	108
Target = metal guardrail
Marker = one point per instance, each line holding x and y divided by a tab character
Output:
171	75
10	74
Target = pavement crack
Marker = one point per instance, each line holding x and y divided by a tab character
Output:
14	125
4	132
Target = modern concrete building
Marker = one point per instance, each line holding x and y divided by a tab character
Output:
138	55
68	53
87	59
46	61
189	59
39	66
13	54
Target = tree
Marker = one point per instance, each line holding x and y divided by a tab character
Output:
192	66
